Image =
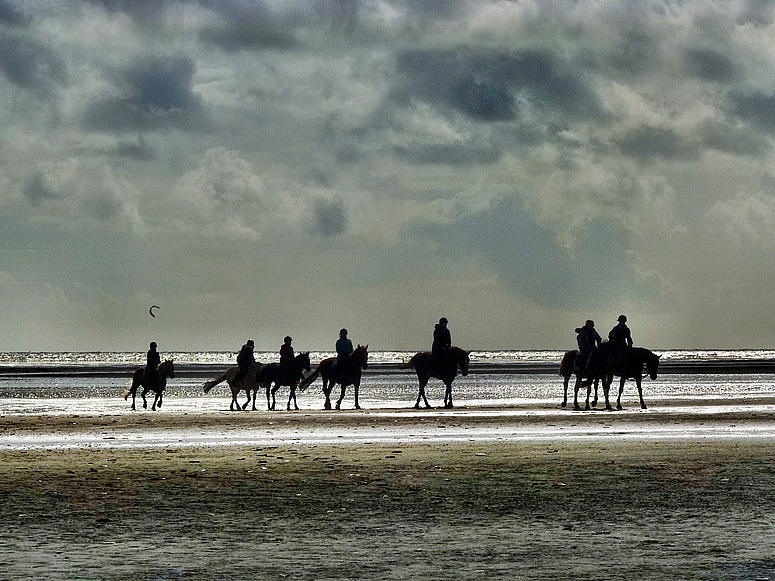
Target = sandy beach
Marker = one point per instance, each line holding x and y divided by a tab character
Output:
683	490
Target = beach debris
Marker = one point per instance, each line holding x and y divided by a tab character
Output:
150	311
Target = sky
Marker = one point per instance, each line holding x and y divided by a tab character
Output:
283	167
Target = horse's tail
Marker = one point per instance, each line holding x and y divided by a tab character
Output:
413	361
208	385
305	383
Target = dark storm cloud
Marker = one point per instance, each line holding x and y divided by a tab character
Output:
526	255
709	65
735	140
143	12
633	54
248	26
648	143
483	84
157	94
756	108
330	217
30	65
11	15
447	154
37	191
757	12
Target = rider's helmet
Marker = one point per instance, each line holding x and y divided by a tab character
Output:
622	319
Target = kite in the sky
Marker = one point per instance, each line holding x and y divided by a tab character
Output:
152	308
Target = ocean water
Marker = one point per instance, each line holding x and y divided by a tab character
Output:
62	382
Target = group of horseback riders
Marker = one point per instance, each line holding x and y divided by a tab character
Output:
442	341
588	338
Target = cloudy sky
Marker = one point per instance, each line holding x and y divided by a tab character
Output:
262	168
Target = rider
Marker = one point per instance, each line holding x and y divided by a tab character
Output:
286	356
152	361
621	337
244	360
587	339
344	347
442	341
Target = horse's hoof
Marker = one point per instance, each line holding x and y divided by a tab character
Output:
428	406
563	404
594	404
577	408
643	406
337	406
145	406
619	407
587	407
448	406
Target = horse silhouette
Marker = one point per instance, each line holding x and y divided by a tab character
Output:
348	372
293	373
605	362
444	369
165	370
249	384
567	369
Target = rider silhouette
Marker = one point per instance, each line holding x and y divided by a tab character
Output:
621	337
587	339
244	360
343	349
152	361
442	341
286	356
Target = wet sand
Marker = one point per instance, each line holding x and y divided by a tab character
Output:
683	490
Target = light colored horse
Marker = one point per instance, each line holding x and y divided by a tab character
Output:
346	373
249	384
444	369
165	370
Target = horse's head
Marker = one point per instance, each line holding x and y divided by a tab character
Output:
462	358
652	364
361	355
167	369
303	360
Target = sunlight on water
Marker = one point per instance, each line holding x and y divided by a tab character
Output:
385	383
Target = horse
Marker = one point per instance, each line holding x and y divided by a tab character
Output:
348	372
566	370
445	370
605	361
249	384
293	373
165	370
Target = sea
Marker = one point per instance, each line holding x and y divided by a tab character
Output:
95	382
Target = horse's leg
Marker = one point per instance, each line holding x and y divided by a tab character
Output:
293	395
607	380
274	396
234	403
565	382
638	381
255	394
589	390
341	397
576	388
327	387
448	396
268	398
142	394
356	387
621	391
423	381
594	401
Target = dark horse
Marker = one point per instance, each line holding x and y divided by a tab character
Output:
567	368
347	373
248	384
293	373
165	370
445	369
604	362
